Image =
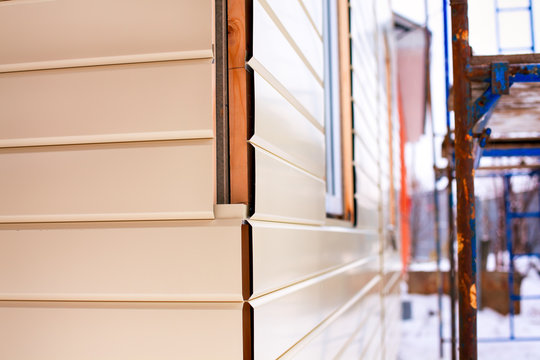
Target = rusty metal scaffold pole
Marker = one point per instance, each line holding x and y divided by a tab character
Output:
466	237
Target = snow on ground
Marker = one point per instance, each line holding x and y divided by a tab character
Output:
419	336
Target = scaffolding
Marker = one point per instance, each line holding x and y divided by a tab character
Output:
473	106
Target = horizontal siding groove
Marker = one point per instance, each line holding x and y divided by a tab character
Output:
276	294
289	38
391	319
116	298
367	175
317	274
364	109
358	165
310	19
361	119
362	140
373	164
106	145
369	343
362	41
108	60
282	129
365	73
361	324
368	79
113	217
364	57
286	194
266	75
313	251
217	305
365	94
265	146
359	296
360	64
359	231
367	97
363	199
271	218
108	138
391	282
121	224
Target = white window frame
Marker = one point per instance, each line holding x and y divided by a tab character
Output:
334	163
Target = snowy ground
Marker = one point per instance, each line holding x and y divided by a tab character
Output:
420	334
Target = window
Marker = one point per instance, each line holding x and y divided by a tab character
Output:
334	191
338	110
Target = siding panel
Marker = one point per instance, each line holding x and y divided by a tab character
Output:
285	254
286	193
79	29
347	333
155	180
120	331
315	10
282	130
153	101
274	52
143	261
274	332
297	24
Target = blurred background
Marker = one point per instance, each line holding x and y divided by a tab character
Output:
506	185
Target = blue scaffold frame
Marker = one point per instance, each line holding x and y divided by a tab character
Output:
499	73
512	297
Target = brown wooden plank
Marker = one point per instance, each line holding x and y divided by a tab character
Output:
238	136
346	110
511	59
392	200
239	128
237	33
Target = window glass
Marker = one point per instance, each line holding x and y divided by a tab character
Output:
334	181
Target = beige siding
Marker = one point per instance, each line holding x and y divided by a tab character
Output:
120	331
132	181
285	254
108	249
304	38
107	104
274	51
141	261
65	33
318	291
348	334
315	13
111	245
285	132
285	317
285	193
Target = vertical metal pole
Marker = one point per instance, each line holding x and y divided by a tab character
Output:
508	223
465	183
435	201
449	151
438	249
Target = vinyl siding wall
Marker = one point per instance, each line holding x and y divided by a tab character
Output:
110	247
321	289
111	242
